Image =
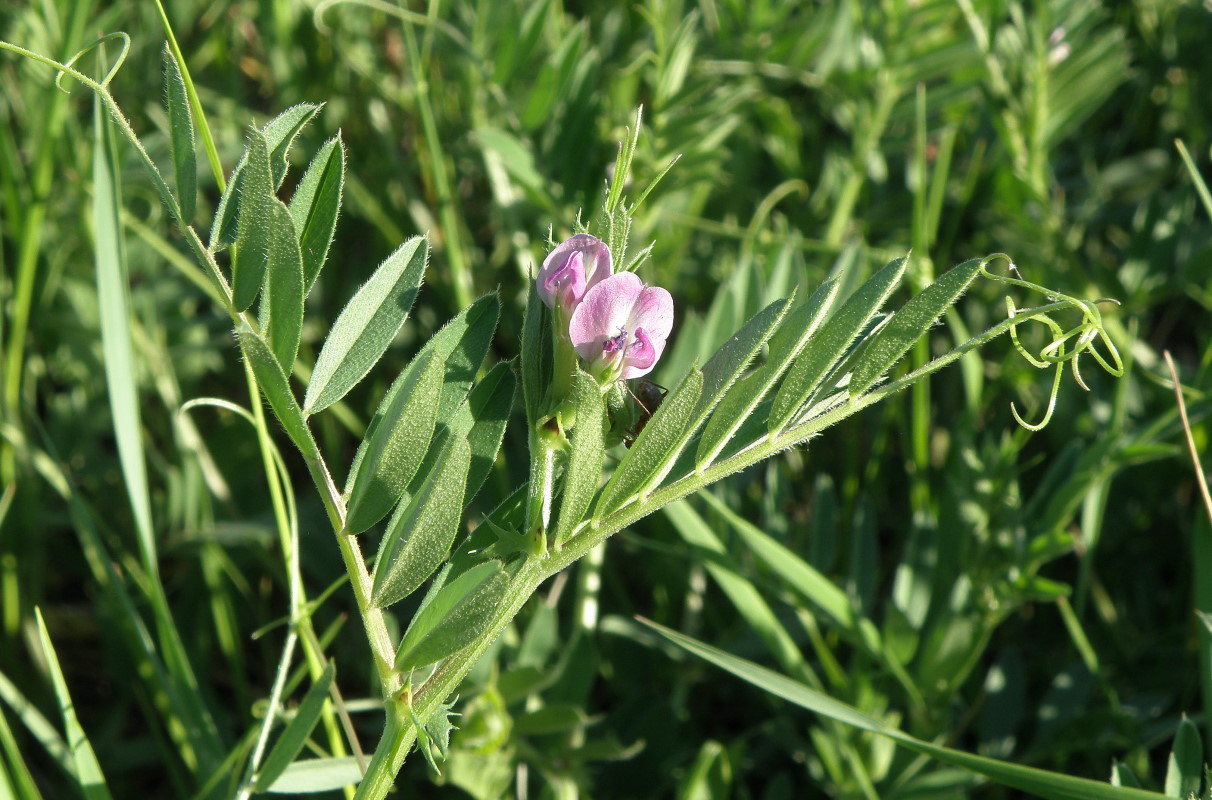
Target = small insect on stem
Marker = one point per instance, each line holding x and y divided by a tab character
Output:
648	396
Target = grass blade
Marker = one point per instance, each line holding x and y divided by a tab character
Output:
318	775
88	775
1185	767
367	325
1038	782
291	742
113	300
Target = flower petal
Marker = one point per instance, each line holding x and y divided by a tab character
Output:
604	310
586	254
642	355
653	311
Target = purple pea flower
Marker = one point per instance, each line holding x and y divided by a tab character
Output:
572	269
621	326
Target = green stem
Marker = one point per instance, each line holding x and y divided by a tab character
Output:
43	174
447	209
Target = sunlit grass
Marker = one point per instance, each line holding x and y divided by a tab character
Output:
1021	596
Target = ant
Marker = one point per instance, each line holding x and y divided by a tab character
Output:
628	417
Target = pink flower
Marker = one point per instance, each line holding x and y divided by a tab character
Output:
572	269
621	326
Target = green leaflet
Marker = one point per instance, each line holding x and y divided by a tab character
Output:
421	533
274	385
397	444
461	344
282	301
279	133
909	324
796	328
482	419
453	617
730	360
315	206
181	136
588	450
831	342
536	356
255	224
655	448
291	742
367	325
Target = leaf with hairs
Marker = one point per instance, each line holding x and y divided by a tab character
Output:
794	331
275	386
181	136
831	342
536	356
421	533
588	451
315	206
453	617
461	345
397	444
909	324
654	450
482	419
279	134
255	224
367	325
282	300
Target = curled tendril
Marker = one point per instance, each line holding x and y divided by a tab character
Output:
1066	346
109	76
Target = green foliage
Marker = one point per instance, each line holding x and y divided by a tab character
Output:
420	535
397	445
295	735
366	326
926	564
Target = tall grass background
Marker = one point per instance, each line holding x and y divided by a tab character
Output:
1038	596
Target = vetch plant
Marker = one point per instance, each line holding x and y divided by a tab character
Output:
793	369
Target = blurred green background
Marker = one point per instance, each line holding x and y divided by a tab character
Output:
1038	591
